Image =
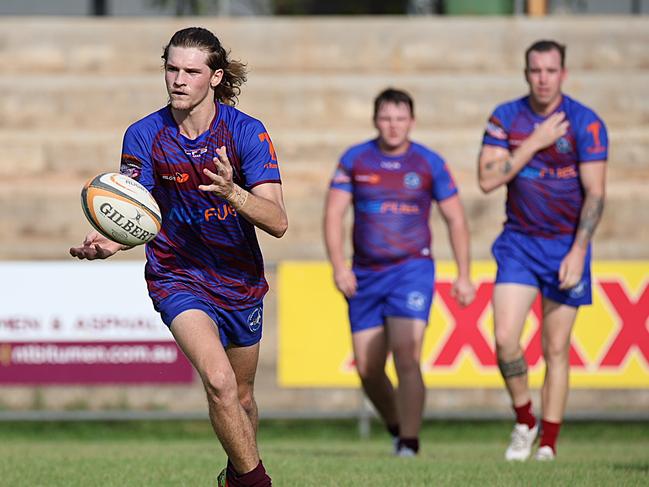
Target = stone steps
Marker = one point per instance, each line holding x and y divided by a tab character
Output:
324	44
311	154
42	218
307	100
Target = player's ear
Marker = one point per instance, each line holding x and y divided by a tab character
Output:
564	74
216	78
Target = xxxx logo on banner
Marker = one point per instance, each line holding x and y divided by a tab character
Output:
609	347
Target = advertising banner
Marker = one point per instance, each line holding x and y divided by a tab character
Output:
83	323
609	349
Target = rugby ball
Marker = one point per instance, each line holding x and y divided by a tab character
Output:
121	209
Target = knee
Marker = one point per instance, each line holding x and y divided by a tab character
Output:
368	371
221	387
406	360
507	348
556	353
246	398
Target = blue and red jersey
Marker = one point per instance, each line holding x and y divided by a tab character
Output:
545	198
204	247
392	197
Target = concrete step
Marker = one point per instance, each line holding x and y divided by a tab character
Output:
43	218
306	100
324	45
310	153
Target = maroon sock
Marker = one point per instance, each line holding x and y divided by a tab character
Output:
393	429
524	414
257	477
412	443
549	434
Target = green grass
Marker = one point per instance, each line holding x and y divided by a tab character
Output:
314	453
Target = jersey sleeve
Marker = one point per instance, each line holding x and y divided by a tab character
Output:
497	130
258	158
342	178
592	139
443	183
136	158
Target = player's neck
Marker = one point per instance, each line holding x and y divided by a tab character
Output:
393	151
195	121
545	109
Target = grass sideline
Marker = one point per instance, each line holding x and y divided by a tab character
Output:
306	453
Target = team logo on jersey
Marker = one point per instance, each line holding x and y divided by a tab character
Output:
578	291
416	301
390	165
196	152
254	320
412	180
563	145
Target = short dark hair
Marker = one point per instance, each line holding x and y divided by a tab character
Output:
234	72
392	95
545	46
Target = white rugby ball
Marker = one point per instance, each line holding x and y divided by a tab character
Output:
121	209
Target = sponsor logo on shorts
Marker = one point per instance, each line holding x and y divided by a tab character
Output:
254	320
416	301
578	291
412	180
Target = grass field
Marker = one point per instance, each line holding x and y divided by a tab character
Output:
314	453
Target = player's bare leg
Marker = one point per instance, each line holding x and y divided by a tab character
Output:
405	338
558	321
370	353
244	363
511	304
197	336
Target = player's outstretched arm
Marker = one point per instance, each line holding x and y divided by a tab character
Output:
335	208
263	206
498	166
96	246
593	180
458	230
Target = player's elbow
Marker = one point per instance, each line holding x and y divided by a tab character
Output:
280	228
486	186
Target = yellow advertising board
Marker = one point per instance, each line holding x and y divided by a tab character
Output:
609	349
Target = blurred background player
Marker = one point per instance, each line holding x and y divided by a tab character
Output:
391	183
213	171
551	153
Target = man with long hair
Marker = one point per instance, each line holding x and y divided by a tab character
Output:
213	171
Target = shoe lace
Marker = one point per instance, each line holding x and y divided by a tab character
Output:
519	438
